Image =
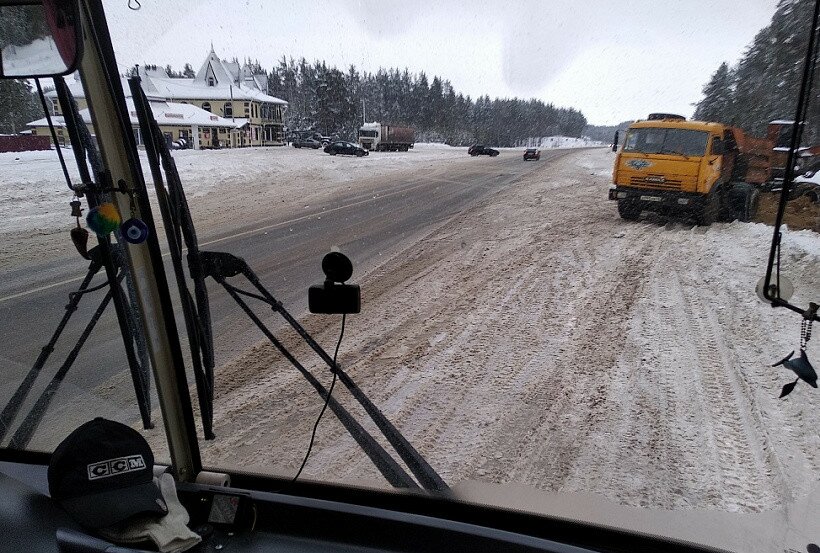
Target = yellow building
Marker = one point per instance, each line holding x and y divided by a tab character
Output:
178	122
236	110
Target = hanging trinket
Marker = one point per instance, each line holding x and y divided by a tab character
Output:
801	366
134	230
103	219
79	236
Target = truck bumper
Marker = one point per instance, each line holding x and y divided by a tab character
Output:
658	200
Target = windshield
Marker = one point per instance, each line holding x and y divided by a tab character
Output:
548	334
666	141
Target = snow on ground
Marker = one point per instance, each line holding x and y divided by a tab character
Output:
534	338
223	186
538	339
561	142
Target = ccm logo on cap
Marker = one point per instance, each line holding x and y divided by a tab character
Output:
113	467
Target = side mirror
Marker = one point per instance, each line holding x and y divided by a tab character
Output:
39	39
615	141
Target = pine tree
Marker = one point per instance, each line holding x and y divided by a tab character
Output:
18	106
717	102
766	81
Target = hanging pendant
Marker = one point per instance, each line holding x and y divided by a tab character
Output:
134	231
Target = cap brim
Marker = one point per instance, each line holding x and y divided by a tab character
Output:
111	507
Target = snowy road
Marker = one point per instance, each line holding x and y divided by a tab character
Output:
522	334
372	220
537	339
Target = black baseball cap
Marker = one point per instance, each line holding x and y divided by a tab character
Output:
102	474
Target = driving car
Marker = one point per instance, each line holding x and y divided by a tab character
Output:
307	143
345	148
532	153
481	150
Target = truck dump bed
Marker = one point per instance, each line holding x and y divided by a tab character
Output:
754	163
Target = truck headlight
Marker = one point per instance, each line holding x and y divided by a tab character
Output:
683	201
622	194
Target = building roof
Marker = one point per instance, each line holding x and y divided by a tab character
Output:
166	113
188	89
230	82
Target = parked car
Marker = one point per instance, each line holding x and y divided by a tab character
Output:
346	148
808	185
532	153
479	150
307	143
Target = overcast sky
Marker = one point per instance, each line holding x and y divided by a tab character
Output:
614	60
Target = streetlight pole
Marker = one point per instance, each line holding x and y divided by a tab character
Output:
321	90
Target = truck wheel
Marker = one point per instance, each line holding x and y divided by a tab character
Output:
741	202
628	210
710	211
359	153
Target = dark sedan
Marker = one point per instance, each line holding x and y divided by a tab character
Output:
532	153
346	148
479	150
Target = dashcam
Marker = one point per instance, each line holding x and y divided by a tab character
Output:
334	297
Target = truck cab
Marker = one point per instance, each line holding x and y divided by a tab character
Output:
668	164
370	136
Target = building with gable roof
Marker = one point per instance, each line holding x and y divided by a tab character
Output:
224	106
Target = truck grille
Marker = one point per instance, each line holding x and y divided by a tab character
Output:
656	181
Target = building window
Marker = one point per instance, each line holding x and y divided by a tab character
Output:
211	81
206	106
228	109
247	109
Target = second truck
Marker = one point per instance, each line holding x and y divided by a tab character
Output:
383	138
709	171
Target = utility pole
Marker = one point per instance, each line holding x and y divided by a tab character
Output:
364	118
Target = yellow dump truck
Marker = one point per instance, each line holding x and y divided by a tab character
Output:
708	171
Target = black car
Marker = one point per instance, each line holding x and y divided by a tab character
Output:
479	150
532	153
346	148
307	143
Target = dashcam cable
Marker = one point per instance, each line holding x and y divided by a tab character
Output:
327	400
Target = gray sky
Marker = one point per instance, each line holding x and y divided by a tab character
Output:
612	59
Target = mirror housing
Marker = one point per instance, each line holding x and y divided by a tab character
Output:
39	38
615	141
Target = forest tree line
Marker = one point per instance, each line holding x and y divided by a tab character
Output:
328	100
336	102
764	84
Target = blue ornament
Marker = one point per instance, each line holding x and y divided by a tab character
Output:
134	231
